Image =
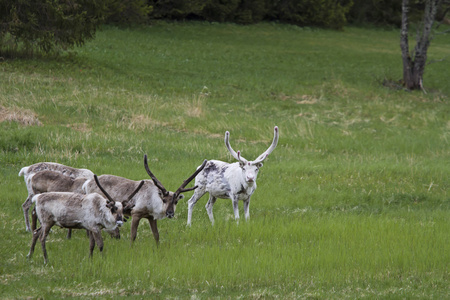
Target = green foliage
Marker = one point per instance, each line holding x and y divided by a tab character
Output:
220	11
388	12
176	9
252	11
324	13
51	25
48	25
238	11
128	12
382	12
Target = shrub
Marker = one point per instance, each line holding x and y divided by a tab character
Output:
48	25
219	10
176	9
324	13
129	12
387	12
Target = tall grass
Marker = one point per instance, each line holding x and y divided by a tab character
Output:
353	203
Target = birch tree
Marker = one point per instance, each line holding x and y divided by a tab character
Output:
414	62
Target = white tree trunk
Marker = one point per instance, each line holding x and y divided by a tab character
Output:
414	67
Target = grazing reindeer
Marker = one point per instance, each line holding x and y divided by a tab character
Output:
236	181
53	181
29	171
70	210
153	202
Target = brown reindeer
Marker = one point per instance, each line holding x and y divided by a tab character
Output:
29	171
53	181
76	211
153	202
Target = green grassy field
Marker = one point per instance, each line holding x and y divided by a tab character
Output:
353	203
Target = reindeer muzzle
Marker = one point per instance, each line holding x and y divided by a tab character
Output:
119	223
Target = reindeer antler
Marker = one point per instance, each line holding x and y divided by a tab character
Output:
128	204
260	158
103	190
109	197
181	189
266	153
233	153
135	191
153	177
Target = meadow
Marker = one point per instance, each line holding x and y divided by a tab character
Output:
353	202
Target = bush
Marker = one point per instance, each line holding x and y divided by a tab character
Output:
252	11
380	12
220	11
176	9
129	12
48	25
387	12
324	13
51	25
238	11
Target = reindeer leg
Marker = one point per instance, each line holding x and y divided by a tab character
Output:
246	209
69	234
43	237
26	206
115	233
235	208
154	228
98	240
134	226
36	235
209	207
91	242
191	203
33	219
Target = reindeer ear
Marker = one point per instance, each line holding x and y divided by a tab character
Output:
128	208
128	205
112	207
178	198
259	165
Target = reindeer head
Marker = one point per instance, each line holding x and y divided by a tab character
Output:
250	168
116	208
170	198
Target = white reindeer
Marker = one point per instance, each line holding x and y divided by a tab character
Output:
71	210
153	202
29	171
236	181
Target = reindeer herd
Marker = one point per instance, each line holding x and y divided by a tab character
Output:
78	199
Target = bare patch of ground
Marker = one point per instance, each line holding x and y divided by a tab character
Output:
25	117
